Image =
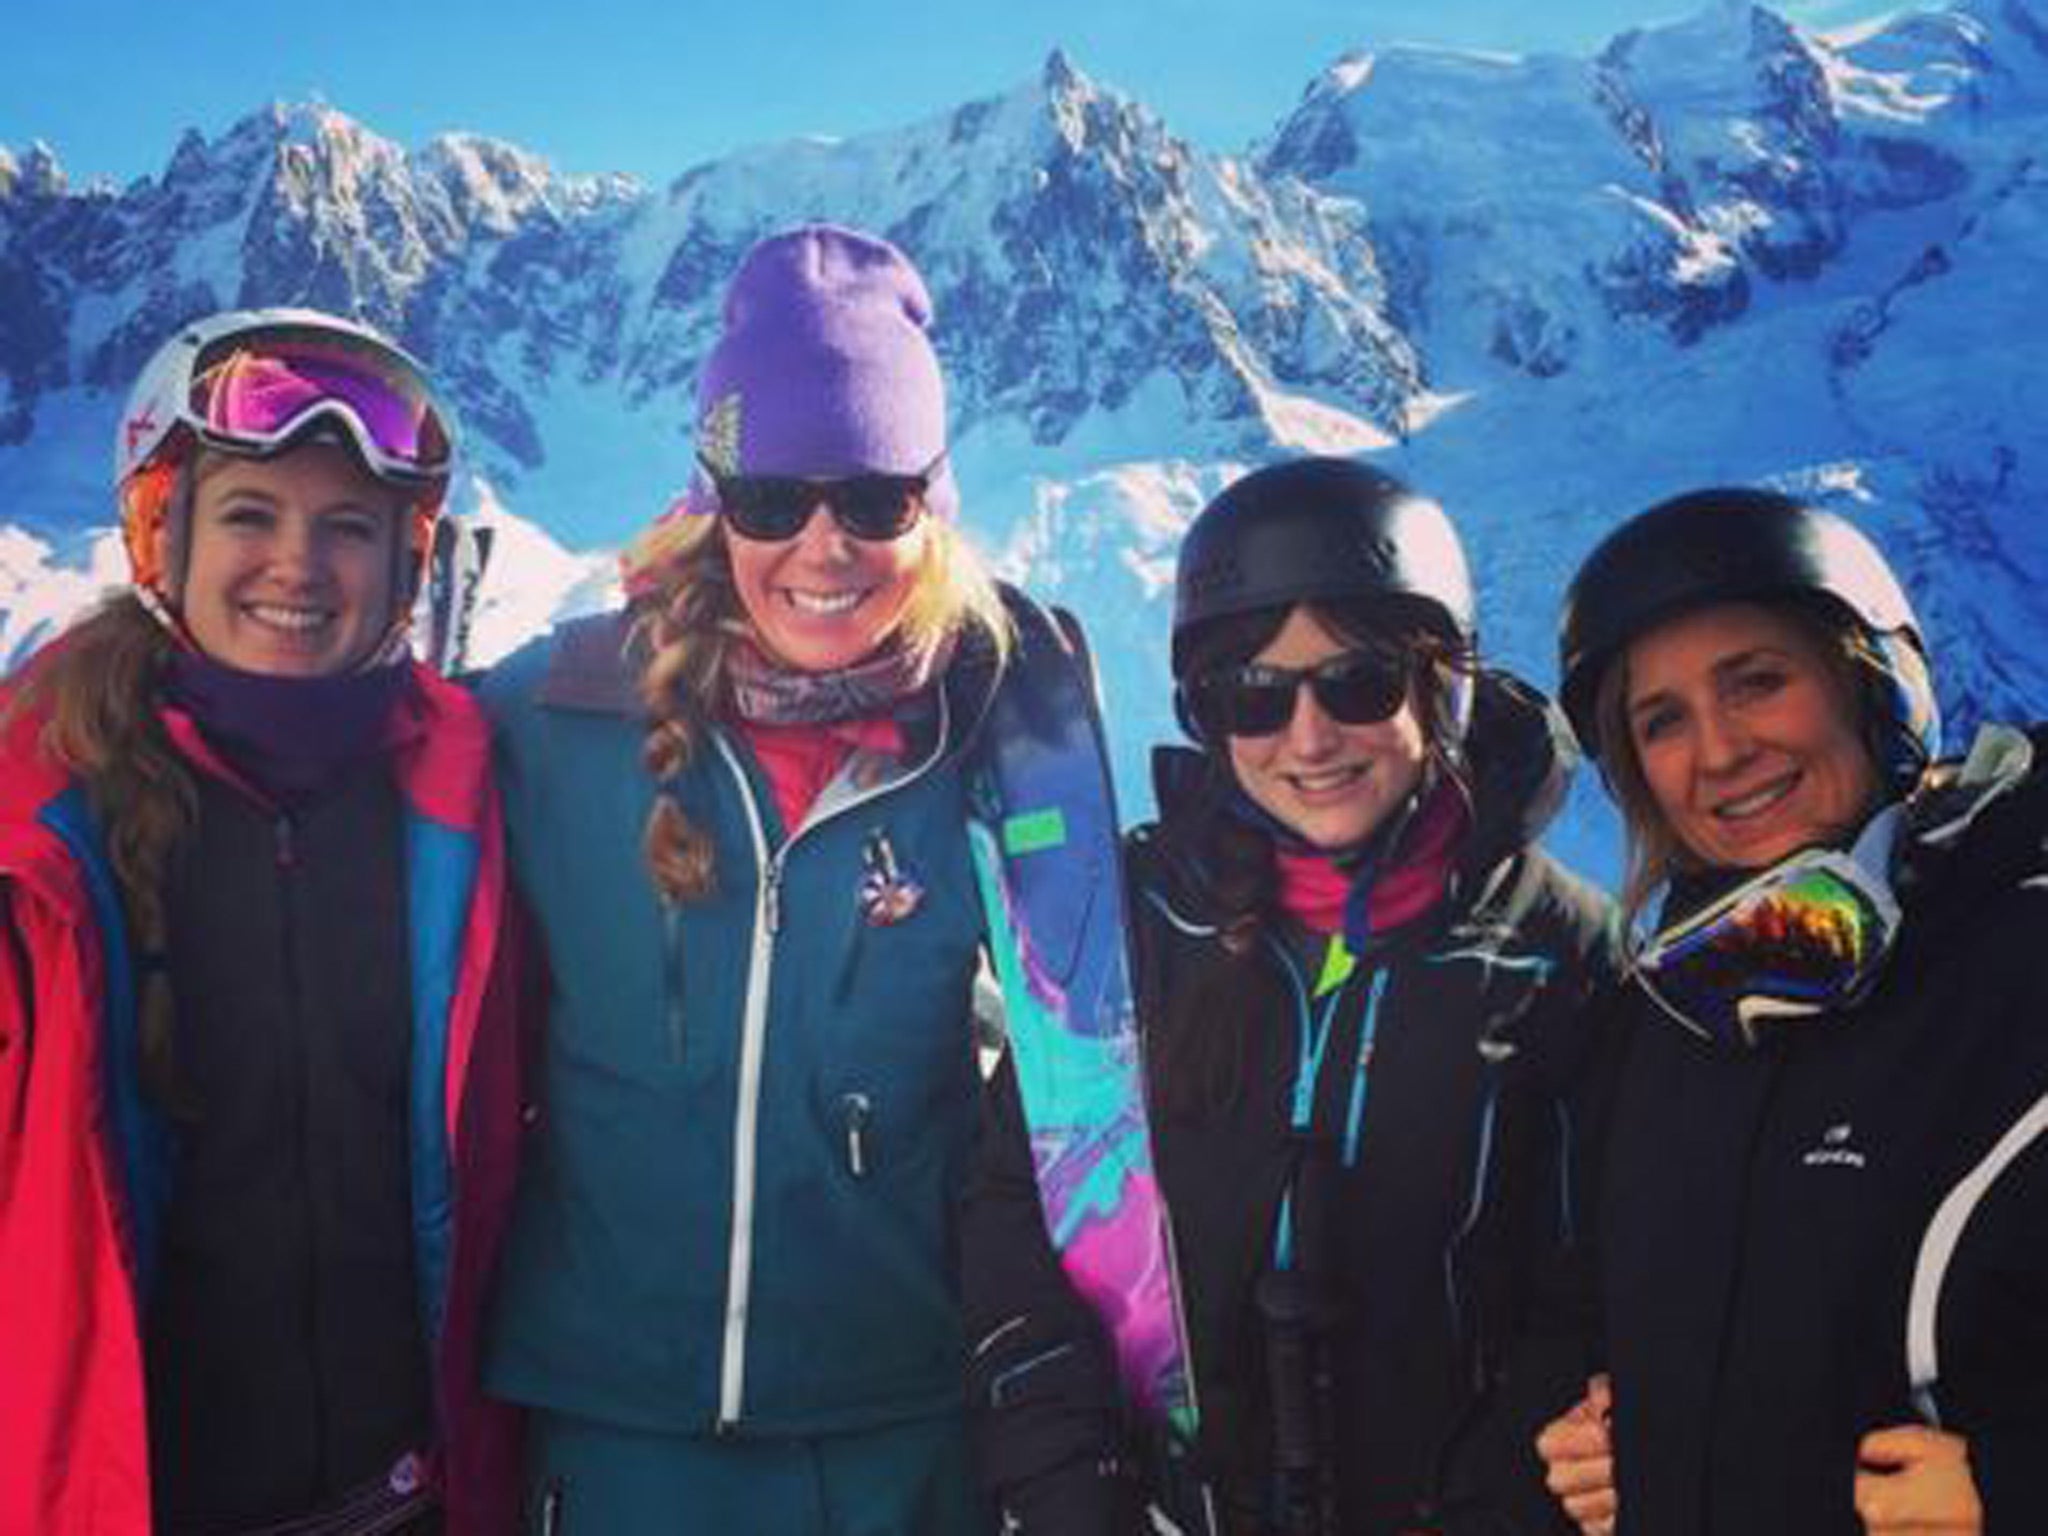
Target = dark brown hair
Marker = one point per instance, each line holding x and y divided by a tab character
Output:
1230	863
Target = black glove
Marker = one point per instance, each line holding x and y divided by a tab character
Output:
1081	1498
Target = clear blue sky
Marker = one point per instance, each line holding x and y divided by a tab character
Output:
651	87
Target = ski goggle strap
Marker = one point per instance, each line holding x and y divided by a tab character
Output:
254	390
1807	936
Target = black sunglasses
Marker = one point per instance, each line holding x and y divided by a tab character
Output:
1357	688
772	508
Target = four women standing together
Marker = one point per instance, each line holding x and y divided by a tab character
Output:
1764	1181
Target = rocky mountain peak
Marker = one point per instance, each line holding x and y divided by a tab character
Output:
1546	288
35	174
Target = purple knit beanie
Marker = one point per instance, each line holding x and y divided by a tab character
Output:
824	368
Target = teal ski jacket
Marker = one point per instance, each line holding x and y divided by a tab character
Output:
756	1107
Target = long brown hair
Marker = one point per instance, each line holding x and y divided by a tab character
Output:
686	623
1234	865
95	690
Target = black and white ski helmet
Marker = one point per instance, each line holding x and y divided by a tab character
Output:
1731	544
1318	530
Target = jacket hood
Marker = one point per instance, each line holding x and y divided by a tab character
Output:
1522	758
1981	826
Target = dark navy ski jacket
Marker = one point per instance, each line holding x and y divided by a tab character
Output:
1778	1224
1447	1195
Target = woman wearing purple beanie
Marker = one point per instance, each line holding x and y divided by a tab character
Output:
739	808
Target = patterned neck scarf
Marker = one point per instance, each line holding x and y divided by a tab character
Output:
765	692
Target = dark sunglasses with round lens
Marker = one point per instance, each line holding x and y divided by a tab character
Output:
1360	687
772	508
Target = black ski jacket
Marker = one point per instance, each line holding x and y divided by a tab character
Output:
1447	1235
1776	1221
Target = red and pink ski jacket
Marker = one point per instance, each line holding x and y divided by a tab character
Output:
84	1161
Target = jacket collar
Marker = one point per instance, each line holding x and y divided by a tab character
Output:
1980	827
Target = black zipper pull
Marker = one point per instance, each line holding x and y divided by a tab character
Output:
287	841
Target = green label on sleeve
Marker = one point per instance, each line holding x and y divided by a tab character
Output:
1034	831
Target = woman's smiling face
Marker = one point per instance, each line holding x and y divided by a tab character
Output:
823	599
1747	736
1330	783
291	561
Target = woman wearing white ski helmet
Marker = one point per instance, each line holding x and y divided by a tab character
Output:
1359	992
1825	1225
254	1004
250	384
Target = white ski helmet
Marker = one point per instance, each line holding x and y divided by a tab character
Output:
257	382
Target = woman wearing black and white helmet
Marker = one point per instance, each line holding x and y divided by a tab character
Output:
1360	990
1825	1231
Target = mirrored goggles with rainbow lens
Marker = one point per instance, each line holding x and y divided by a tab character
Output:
1358	687
256	390
771	508
1807	936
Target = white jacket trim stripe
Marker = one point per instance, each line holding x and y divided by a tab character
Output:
1938	1246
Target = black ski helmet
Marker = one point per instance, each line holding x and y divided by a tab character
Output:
1317	529
1730	544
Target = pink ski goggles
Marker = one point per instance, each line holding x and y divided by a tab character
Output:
254	391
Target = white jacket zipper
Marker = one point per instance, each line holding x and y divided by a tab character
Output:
739	1269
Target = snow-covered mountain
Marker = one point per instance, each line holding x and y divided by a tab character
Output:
1550	289
1727	249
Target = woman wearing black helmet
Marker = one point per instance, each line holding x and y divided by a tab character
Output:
1825	1233
1359	988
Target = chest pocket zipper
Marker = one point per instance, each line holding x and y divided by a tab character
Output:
857	1109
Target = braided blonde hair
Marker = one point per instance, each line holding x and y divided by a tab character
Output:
686	622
